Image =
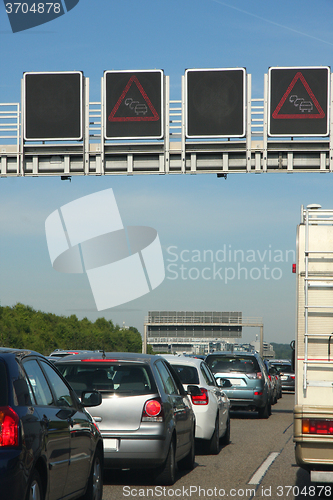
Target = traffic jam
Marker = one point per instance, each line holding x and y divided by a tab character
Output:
70	417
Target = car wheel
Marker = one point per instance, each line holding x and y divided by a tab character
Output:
95	481
35	490
214	442
167	475
187	463
225	439
264	411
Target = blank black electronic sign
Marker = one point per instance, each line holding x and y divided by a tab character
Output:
53	106
133	104
298	101
215	102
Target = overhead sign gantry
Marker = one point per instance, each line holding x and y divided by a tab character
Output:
216	126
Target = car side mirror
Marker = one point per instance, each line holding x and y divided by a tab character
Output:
193	390
223	382
91	398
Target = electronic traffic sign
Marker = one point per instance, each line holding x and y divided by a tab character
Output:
133	104
53	106
215	102
298	102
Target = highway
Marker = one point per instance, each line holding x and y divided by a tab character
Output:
258	463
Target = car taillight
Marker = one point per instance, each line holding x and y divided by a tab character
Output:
254	375
270	377
317	426
9	427
152	411
257	393
201	399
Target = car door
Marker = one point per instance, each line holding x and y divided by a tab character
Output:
56	447
81	438
181	408
216	393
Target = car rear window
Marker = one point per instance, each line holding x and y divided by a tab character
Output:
187	374
3	384
242	364
283	368
119	378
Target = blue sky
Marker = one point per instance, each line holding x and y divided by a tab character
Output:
253	214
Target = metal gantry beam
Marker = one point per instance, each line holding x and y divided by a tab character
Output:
175	154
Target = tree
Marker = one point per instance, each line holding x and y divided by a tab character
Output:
23	327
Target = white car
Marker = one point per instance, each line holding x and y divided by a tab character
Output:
211	407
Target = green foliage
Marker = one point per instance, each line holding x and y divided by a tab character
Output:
23	327
150	349
282	351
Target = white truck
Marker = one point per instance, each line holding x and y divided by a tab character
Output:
313	411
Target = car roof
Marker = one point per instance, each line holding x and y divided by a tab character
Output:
18	352
118	356
233	353
182	360
59	352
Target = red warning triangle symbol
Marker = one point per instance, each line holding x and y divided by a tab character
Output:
139	109
306	107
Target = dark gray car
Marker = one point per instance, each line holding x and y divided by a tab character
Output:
286	373
146	418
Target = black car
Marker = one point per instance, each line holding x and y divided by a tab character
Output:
50	447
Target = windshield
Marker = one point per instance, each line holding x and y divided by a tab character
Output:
120	378
242	364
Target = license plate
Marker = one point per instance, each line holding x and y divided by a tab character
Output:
236	381
111	444
284	377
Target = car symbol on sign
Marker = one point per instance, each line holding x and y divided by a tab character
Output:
306	106
300	103
141	109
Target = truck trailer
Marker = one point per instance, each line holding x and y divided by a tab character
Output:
313	411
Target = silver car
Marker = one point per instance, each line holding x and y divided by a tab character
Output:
211	407
146	418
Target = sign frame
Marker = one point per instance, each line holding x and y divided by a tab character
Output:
147	100
298	69
79	137
244	106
